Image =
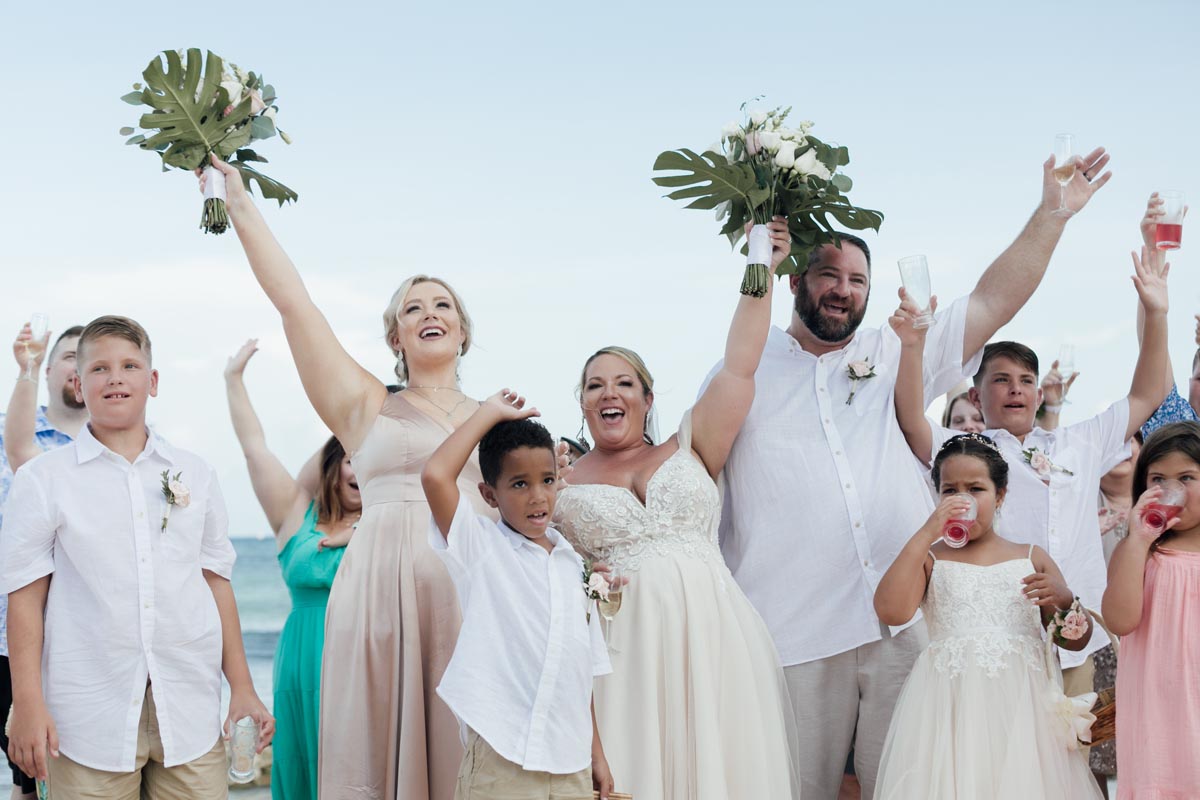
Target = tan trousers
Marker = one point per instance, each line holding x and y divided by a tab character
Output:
201	779
486	775
848	699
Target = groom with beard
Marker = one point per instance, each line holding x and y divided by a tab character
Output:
28	430
822	491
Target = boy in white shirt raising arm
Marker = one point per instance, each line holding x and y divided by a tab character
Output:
520	679
117	661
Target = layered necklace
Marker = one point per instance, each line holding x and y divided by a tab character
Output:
449	412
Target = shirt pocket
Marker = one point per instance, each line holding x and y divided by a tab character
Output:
871	395
181	538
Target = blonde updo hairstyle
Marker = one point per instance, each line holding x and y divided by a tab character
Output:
391	319
639	369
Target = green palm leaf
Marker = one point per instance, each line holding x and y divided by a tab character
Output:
708	179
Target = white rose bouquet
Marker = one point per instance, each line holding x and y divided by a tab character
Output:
203	107
760	169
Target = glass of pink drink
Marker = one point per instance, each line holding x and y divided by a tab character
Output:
1168	232
1169	505
955	532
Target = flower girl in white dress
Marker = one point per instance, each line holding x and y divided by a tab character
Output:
982	714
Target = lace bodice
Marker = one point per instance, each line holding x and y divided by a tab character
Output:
981	613
681	515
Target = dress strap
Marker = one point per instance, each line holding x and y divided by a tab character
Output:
1030	556
931	555
685	431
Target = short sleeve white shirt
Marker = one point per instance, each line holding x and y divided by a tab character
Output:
521	673
1061	517
128	601
822	491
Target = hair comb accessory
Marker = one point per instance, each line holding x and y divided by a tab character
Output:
978	438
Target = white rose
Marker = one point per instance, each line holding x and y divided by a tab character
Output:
257	104
788	134
234	89
859	369
807	162
753	143
182	494
733	130
823	172
758	117
786	156
770	141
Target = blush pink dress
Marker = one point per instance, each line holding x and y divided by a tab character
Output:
1158	694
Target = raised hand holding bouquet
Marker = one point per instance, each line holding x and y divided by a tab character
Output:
203	107
767	169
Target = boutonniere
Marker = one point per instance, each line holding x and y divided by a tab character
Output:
1041	463
858	371
595	587
176	494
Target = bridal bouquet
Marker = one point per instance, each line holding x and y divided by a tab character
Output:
202	107
760	169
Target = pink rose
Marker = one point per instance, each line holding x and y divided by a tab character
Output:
1040	463
859	369
180	494
1074	626
598	585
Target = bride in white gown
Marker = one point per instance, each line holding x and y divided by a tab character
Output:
696	707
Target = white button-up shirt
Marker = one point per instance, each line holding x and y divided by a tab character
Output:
128	601
822	494
521	673
1061	517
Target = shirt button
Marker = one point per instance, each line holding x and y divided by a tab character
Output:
826	422
858	524
866	563
847	486
821	389
146	604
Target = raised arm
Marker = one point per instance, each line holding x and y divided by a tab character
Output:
719	413
345	396
1194	383
20	423
903	586
1122	604
1149	388
439	478
1148	226
278	493
910	384
1011	279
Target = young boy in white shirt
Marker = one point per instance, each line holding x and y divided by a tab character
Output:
117	661
520	680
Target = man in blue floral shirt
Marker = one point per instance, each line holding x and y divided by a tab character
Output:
26	431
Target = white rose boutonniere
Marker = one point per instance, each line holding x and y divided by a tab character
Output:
175	493
1040	463
858	371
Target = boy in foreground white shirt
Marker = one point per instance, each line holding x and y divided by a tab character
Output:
520	680
116	663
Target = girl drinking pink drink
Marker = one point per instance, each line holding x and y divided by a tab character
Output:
1153	603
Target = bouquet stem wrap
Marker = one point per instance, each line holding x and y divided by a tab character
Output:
758	271
214	219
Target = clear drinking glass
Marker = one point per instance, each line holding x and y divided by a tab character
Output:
1065	163
1168	507
243	743
956	532
1168	233
38	325
914	274
1066	367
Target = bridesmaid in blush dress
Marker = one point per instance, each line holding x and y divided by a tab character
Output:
393	617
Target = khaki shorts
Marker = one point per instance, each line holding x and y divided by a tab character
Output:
486	775
200	779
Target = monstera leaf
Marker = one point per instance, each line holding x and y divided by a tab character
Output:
710	179
271	189
189	104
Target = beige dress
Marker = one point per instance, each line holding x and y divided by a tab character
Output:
391	628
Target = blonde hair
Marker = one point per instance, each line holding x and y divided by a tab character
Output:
391	319
639	369
119	327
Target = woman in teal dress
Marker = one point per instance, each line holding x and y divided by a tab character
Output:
313	517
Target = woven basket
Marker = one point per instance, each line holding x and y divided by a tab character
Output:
1105	707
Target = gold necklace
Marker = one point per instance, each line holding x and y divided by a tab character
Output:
449	412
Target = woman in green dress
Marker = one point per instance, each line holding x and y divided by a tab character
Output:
313	517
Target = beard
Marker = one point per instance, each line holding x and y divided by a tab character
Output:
68	398
825	329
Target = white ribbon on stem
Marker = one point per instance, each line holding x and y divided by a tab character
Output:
759	245
214	184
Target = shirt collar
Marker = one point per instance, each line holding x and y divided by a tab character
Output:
516	539
1038	437
781	339
88	447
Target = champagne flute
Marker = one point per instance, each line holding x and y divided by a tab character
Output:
1064	168
38	324
1066	367
914	274
610	607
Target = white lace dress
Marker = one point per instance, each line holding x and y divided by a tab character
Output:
976	717
696	707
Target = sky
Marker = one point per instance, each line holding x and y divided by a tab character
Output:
507	147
